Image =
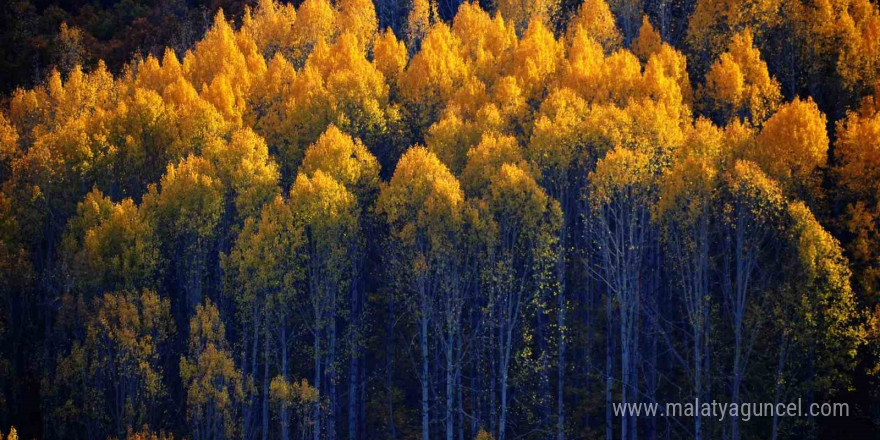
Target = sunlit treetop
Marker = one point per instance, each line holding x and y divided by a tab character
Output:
423	200
223	54
389	56
688	187
600	78
739	85
622	176
246	170
595	20
324	206
753	196
188	199
536	59
857	149
437	70
486	159
841	34
558	137
518	203
271	26
832	309
357	92
152	74
117	252
666	78
486	41
358	17
792	145
9	148
315	23
344	159
421	17
648	42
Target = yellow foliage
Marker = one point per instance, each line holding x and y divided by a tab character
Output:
315	24
536	60
244	167
389	56
156	77
558	136
738	84
792	145
648	42
434	74
595	20
222	65
857	150
517	201
486	159
213	384
857	169
422	203
271	26
486	41
622	173
324	206
421	17
714	22
688	187
450	138
483	435
190	201
358	17
9	148
598	78
842	34
344	159
292	392
755	195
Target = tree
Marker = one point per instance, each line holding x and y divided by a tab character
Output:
422	205
264	271
186	212
792	146
213	384
535	60
347	161
116	371
752	207
250	177
648	42
856	154
621	192
271	26
715	22
110	246
686	209
433	74
525	225
520	14
738	85
328	213
390	57
595	20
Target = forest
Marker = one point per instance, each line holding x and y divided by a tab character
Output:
402	220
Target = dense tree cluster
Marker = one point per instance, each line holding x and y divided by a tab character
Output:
471	224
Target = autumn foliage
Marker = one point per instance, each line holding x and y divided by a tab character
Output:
489	227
